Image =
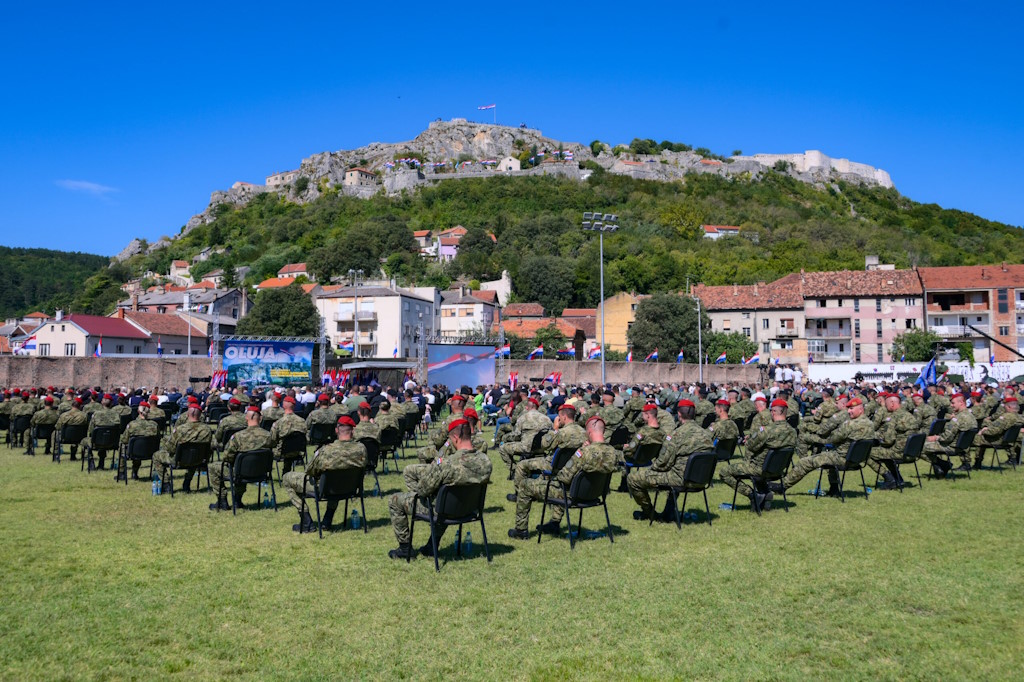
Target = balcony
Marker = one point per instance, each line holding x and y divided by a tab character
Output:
831	356
349	316
829	333
1018	305
957	330
1020	330
964	308
786	332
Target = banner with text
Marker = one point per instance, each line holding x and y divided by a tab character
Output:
281	363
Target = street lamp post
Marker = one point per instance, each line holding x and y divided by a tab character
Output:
601	223
354	277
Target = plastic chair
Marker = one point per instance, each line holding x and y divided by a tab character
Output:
536	446
774	468
619	437
642	458
725	448
19	425
856	456
252	466
697	477
390	440
708	420
937	427
191	456
454	505
372	458
321	433
41	432
70	434
911	451
586	489
1007	443
290	444
101	438
334	486
139	449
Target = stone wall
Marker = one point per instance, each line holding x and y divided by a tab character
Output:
105	372
631	373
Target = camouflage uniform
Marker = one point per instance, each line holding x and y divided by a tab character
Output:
569	437
70	418
938	402
185	432
366	429
387	420
994	431
614	417
742	409
778	434
234	420
285	426
724	428
597	457
824	432
137	427
762	418
321	415
44	417
961	421
272	414
465	466
20	408
341	454
252	438
670	464
847	432
925	414
505	429
520	440
105	416
892	433
644	436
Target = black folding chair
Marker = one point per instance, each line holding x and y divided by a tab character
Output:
454	505
725	448
139	449
372	458
641	459
708	420
215	413
267	423
191	456
619	437
71	435
290	444
39	432
536	446
586	489
1007	444
937	427
334	486
5	425
911	451
226	436
321	433
964	442
793	420
102	438
19	425
774	468
856	456
697	477
741	426
252	466
390	440
126	419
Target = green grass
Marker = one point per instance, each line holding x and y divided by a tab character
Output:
100	581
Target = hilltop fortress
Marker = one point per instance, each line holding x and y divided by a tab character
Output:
460	149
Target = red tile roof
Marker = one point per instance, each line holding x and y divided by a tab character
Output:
308	287
485	296
275	282
5	345
579	312
781	294
158	324
711	229
37	316
972	277
292	268
361	170
837	284
457	230
588	325
632	163
97	325
449	241
179	263
203	284
527	328
421	233
523	310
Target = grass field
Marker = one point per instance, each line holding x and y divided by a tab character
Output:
100	581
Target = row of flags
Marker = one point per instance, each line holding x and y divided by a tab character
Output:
219	379
335	377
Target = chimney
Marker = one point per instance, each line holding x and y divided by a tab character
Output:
755	288
135	302
120	313
1004	267
735	289
60	315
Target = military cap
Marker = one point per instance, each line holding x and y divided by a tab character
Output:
144	403
470	412
49	400
567	406
958	394
1011	399
345	420
685	403
323	398
456	423
253	408
234	401
536	403
650	407
723	403
364	405
778	402
760	397
854	403
596	417
289	399
457	396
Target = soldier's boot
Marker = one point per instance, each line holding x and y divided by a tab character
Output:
550	527
643	514
328	518
186	485
305	524
220	505
776	487
165	487
286	466
102	460
979	461
135	470
888	482
74	451
517	534
622	485
403	552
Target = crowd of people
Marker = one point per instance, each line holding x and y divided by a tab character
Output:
648	433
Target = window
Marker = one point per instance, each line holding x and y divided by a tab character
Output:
69	349
821	303
1004	331
138	350
44	349
764	347
726	325
939	322
878	327
405	306
911	323
118	349
856	305
746	332
839	303
234	313
842	347
910	301
62	327
856	329
878	305
856	352
447	312
766	323
746	316
1001	299
893	325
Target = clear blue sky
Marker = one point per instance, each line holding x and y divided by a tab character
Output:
118	120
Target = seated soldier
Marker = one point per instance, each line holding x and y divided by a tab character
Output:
530	423
253	437
193	430
778	434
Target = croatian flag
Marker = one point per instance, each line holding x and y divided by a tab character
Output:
325	380
487	106
394	353
743	359
554	378
754	359
653	355
513	380
347	345
721	358
927	377
903	357
159	347
810	359
537	352
30	343
992	359
98	353
629	357
503	352
209	351
679	358
595	353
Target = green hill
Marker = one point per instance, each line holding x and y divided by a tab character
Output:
41	278
535	221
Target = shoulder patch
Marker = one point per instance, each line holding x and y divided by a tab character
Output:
761	428
579	453
668	437
440	460
639	436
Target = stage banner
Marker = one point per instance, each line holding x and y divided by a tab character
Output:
455	365
281	363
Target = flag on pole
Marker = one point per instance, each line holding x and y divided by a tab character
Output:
325	380
595	353
159	347
209	352
554	378
629	357
753	359
679	358
347	345
743	359
927	376
98	353
29	343
566	352
721	358
487	106
653	355
513	380
503	352
537	352
394	353
903	357
991	359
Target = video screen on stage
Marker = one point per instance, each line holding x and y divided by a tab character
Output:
280	363
455	365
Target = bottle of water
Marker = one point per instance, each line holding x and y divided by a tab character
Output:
266	499
725	506
273	498
357	522
467	548
156	484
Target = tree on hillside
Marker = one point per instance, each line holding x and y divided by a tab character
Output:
685	217
736	346
548	280
284	311
917	345
667	322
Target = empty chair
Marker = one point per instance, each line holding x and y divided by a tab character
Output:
1007	444
70	435
102	438
856	456
191	456
19	425
911	451
252	466
697	476
215	413
290	445
332	487
390	440
454	505
139	449
774	468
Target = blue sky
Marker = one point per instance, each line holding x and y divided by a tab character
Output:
119	119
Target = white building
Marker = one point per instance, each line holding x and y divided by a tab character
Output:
377	320
467	312
278	179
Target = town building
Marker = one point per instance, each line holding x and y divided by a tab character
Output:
465	312
719	231
378	321
233	303
293	270
359	177
81	335
619	313
284	178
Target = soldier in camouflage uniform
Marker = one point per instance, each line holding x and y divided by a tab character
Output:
823	432
385	419
670	464
104	416
924	412
978	407
724	426
233	420
993	430
595	456
193	430
960	420
343	453
473	417
893	430
650	432
366	428
142	426
20	407
288	424
778	434
762	415
634	406
252	438
440	437
429	453
856	427
465	466
594	407
939	400
323	414
44	417
520	442
71	417
564	434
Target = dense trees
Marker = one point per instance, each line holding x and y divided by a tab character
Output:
40	278
668	323
284	311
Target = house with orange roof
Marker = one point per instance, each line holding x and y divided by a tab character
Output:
293	270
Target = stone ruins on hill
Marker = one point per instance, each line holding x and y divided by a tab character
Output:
460	149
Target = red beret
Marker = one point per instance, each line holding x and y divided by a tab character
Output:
49	400
761	399
364	405
323	398
470	412
779	402
192	400
596	417
345	420
144	403
1011	399
457	396
456	423
534	401
685	403
234	401
723	402
253	408
289	399
16	391
918	395
855	402
976	394
650	407
566	406
51	389
956	395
